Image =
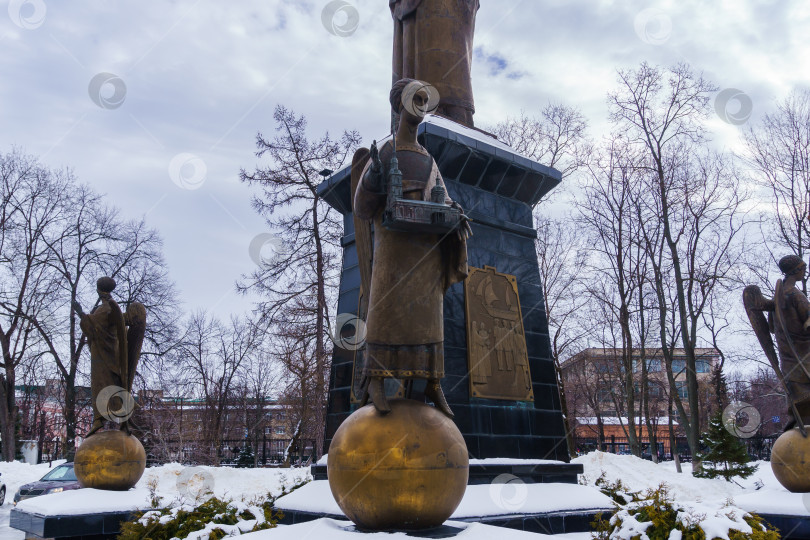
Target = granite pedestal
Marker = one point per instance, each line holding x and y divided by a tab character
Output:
498	189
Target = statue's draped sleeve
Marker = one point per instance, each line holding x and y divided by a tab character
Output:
454	248
367	200
362	233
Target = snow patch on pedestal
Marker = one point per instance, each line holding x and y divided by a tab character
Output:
479	500
771	501
87	501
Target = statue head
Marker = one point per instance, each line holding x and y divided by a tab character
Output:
413	99
105	285
792	265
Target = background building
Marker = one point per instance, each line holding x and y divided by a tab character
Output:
596	393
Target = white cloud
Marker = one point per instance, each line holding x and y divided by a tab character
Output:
203	77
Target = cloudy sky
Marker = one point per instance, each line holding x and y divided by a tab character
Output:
158	104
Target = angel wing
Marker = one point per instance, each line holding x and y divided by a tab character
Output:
362	234
755	304
136	321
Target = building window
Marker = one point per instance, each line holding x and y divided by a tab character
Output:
603	395
653	365
655	391
602	366
678	365
280	430
683	392
702	365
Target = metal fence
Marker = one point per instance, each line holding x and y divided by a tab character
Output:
758	447
266	452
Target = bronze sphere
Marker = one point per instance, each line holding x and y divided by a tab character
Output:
406	470
790	461
110	460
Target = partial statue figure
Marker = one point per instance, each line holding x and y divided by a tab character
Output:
115	340
433	42
789	320
419	250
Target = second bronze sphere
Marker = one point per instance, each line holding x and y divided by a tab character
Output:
110	460
790	461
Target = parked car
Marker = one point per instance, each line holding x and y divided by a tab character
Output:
60	478
2	491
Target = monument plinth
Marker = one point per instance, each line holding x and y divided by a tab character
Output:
497	188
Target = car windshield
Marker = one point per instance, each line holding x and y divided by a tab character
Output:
63	473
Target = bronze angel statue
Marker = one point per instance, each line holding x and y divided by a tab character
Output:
115	340
789	320
419	250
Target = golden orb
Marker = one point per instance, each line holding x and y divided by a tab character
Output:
110	460
406	470
790	461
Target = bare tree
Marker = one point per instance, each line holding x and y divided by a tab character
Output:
608	215
300	379
298	285
560	255
258	382
212	355
779	152
32	204
555	138
695	198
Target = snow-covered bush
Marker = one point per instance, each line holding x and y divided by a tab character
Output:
617	491
212	520
655	516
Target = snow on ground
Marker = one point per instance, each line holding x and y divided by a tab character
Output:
172	482
760	492
639	475
174	479
13	475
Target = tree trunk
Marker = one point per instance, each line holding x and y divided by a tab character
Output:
320	350
672	448
8	416
69	451
8	400
567	423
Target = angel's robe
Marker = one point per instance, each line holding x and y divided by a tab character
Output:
793	343
107	368
410	273
433	42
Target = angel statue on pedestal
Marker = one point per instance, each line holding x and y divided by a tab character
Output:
789	320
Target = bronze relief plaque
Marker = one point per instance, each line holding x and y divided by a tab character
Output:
496	343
